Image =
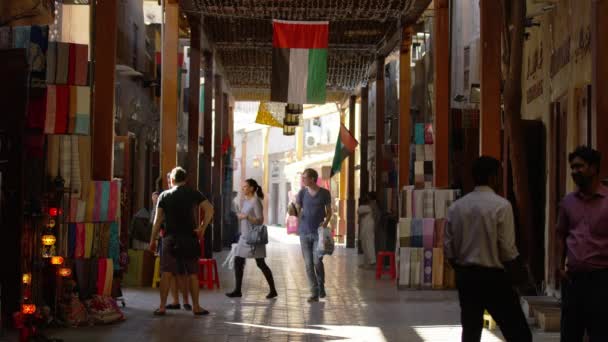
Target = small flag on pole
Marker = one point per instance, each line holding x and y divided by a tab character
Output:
345	147
299	61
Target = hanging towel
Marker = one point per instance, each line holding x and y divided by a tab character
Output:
65	166
72	110
439	233
428	210
52	159
83	111
51	109
90	234
114	252
84	148
418	208
51	63
105	275
438	261
428	230
429	152
80	240
410	202
75	182
416	267
441	199
62	109
428	168
72	64
81	67
428	268
404	266
63	62
416	233
420	153
405	232
419	134
107	290
114	200
428	134
104	200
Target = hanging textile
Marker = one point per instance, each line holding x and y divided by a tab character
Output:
84	148
63	63
427	267
417	231
405	231
103	204
114	245
438	261
105	275
428	231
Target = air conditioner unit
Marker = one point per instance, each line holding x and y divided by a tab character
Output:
311	140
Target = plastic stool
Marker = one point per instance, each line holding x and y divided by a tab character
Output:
207	273
392	271
156	277
488	321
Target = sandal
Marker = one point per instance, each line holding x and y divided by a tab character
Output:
173	306
158	312
203	312
187	307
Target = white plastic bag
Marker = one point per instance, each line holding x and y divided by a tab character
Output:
229	262
326	242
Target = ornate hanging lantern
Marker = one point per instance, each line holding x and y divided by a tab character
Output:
48	239
57	260
26	278
51	223
292	114
289	130
65	272
28	309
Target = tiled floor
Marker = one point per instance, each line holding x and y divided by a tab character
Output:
358	308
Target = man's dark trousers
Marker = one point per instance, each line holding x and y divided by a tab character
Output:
481	288
585	306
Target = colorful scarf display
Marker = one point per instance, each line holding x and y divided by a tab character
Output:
105	275
103	204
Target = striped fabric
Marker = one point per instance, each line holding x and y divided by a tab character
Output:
105	276
84	148
75	181
103	204
65	160
79	249
62	66
114	245
89	230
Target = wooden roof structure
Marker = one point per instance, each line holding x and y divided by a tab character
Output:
241	32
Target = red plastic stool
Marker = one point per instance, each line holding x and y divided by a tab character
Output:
392	271
207	273
207	270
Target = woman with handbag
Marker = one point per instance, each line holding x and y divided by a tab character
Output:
250	218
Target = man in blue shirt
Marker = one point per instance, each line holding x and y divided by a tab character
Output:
313	204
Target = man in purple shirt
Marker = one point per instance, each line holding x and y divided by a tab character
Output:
582	235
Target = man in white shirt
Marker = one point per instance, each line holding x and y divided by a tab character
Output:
479	241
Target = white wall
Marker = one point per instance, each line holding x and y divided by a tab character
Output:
466	33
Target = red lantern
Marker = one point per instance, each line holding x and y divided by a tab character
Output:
28	309
53	211
57	260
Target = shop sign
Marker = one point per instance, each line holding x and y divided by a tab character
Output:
560	58
534	92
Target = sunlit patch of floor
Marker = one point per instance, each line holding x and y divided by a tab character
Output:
347	332
449	333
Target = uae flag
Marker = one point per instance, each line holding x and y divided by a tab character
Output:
299	61
345	147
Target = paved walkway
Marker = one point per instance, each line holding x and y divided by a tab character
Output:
358	308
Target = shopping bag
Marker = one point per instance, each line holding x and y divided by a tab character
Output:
229	262
326	242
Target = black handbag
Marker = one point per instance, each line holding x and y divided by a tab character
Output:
185	247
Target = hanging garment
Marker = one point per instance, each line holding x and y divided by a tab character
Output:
438	261
428	268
